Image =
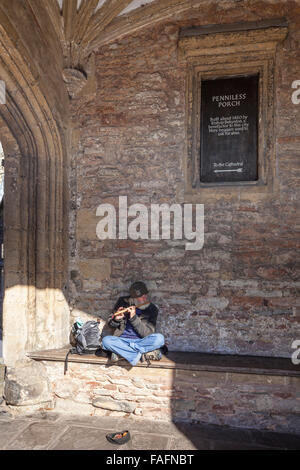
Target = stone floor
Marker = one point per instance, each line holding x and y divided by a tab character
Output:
60	432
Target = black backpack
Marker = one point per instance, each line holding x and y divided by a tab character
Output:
85	339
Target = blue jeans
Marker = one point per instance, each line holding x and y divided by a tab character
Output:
132	349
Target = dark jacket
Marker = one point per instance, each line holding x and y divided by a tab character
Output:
144	324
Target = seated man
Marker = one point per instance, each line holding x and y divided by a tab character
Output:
134	330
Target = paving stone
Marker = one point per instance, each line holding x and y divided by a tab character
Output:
102	422
4	414
83	438
184	443
10	430
223	437
275	440
213	432
142	441
149	426
45	416
82	433
227	445
37	436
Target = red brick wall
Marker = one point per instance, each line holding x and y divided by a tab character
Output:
240	293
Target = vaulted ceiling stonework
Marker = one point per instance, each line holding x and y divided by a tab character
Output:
83	26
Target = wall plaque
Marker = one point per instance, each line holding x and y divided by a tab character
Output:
229	129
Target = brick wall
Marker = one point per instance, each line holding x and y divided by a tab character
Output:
240	293
234	399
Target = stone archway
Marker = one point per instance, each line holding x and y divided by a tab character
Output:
35	310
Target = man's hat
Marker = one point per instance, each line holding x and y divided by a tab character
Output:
137	289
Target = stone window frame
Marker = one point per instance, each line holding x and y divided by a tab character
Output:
221	51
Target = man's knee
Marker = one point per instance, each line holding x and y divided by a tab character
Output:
107	341
159	340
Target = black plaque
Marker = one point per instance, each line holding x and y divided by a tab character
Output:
229	129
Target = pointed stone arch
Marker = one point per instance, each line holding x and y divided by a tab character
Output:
35	311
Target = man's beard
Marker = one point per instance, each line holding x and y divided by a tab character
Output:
140	305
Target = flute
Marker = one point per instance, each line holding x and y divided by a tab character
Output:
127	308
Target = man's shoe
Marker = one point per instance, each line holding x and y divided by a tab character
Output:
115	357
155	355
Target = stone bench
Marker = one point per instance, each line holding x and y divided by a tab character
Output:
243	391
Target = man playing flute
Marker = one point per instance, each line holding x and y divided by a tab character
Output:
134	323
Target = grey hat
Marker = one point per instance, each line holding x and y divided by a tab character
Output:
137	289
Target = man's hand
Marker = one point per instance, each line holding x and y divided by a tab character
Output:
132	311
120	316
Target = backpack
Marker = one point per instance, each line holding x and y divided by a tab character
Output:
86	339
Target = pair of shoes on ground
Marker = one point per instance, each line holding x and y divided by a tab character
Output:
155	355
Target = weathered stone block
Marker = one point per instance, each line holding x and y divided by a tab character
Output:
66	389
112	405
71	407
27	385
